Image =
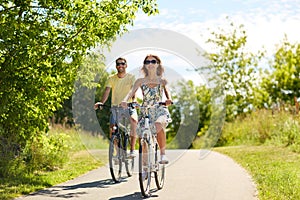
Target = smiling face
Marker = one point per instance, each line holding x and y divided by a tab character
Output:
121	65
151	63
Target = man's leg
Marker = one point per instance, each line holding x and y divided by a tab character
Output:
133	125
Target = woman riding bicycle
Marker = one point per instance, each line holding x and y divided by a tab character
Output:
153	85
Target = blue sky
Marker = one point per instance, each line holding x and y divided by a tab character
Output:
266	23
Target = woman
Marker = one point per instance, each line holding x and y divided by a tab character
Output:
153	85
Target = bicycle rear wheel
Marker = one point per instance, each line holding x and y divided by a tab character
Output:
129	161
159	173
115	162
144	168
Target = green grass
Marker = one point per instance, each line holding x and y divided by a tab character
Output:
274	169
80	161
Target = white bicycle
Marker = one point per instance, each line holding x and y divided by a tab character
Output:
149	154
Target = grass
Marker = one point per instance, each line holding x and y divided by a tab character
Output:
267	146
80	162
274	169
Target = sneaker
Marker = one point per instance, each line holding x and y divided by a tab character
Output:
132	154
164	160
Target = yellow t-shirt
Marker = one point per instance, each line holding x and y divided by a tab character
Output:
120	87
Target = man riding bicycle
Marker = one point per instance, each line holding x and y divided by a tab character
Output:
120	84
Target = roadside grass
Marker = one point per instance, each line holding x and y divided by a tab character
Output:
267	145
80	161
275	170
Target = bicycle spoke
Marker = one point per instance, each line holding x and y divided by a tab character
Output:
159	173
115	162
129	161
144	169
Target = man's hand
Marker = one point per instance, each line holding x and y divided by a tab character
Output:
168	102
124	104
98	105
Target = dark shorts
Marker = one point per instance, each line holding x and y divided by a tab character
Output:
122	114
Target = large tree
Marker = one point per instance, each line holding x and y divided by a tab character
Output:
235	67
42	44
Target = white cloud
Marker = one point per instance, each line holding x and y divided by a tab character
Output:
266	22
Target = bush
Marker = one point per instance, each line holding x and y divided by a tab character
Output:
46	152
263	127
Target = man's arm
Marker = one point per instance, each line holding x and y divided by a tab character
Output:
105	95
104	98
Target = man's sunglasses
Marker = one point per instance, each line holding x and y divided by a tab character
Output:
147	62
122	63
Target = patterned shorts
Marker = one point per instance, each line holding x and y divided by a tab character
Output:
158	114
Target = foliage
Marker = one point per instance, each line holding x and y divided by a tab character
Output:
184	127
196	115
79	162
42	45
236	68
263	127
283	82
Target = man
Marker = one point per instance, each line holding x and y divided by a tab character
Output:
120	84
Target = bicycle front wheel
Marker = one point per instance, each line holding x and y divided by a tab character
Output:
144	168
129	161
159	173
115	162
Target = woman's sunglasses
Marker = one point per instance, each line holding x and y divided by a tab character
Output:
147	62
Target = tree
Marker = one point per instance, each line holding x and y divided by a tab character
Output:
185	116
236	68
283	82
42	44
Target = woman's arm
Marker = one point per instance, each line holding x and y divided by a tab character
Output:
131	93
167	92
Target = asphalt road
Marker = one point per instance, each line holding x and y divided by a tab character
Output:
191	174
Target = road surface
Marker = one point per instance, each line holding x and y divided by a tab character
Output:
191	174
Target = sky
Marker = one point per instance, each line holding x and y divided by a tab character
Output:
266	23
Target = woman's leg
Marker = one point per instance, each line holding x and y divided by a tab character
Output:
161	138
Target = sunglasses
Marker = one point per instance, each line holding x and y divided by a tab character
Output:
122	63
147	62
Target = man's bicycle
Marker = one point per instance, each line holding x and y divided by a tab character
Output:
149	154
119	145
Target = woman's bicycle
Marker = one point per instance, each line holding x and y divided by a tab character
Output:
149	154
119	145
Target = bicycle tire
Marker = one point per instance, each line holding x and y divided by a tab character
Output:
144	168
129	161
159	174
115	162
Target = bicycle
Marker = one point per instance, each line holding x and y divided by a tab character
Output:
119	145
149	153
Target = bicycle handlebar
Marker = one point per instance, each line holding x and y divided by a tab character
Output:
131	105
135	104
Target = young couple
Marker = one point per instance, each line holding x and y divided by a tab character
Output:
153	86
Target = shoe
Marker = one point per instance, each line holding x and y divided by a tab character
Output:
132	154
164	160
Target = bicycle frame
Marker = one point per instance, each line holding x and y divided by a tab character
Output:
148	158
